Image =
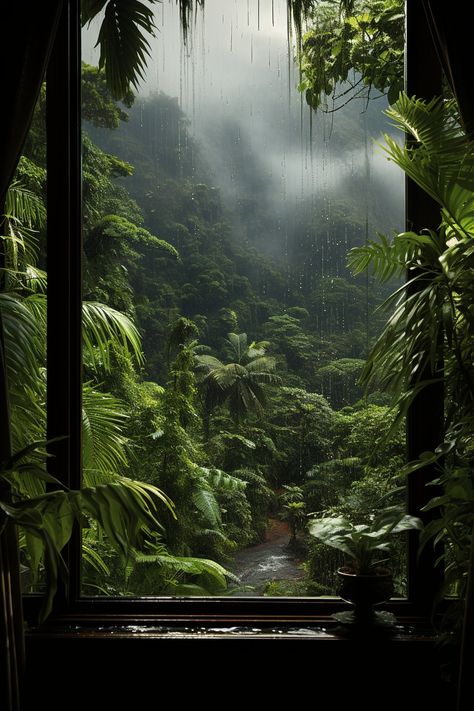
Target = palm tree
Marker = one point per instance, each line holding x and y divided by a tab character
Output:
240	383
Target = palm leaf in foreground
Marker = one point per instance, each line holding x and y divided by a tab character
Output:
125	509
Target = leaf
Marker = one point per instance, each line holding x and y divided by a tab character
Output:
102	327
205	502
104	445
123	47
218	479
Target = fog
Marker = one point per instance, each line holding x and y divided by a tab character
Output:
236	80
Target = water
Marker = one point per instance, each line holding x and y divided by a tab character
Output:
272	560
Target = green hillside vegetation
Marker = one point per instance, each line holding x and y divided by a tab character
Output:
242	377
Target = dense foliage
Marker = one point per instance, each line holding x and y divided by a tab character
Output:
352	51
214	370
250	377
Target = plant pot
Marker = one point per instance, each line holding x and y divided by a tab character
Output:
365	591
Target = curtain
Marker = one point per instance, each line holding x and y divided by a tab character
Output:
28	32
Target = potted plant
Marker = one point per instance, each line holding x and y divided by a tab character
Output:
365	579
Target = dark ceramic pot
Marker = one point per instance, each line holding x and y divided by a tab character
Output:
365	591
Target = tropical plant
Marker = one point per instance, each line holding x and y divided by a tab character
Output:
428	337
295	513
239	383
125	509
363	544
124	48
353	50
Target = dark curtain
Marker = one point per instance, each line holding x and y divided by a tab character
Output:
26	37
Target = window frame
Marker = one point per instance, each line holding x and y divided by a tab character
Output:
64	367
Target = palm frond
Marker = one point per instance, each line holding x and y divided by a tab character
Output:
227	375
104	445
124	48
35	279
103	326
391	258
124	509
439	159
25	206
94	560
239	345
207	363
179	565
24	338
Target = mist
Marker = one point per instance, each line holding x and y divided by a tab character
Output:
236	81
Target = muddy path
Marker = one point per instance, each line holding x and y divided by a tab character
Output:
271	560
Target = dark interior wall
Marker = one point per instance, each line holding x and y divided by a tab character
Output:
104	671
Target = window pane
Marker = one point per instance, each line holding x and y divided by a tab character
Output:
219	209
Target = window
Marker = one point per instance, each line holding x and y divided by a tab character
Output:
64	365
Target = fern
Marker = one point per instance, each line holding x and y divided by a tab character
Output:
205	502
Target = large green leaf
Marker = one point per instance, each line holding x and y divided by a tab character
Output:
102	327
104	445
205	502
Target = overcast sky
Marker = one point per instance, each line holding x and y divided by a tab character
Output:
237	69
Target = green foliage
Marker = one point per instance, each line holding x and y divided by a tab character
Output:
429	337
105	328
351	50
104	448
430	322
301	426
295	513
239	383
125	509
123	46
98	106
361	543
159	573
338	381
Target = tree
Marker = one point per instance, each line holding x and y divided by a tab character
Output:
239	383
352	49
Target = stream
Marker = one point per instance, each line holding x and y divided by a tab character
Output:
271	560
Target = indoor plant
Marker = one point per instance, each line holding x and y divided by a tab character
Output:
365	579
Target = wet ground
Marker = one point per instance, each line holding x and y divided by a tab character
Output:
274	559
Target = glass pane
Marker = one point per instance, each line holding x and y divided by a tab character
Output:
219	209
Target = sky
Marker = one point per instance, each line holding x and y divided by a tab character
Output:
236	80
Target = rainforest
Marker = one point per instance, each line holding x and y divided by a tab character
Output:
224	333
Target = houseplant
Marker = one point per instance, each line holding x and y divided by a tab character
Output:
365	580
